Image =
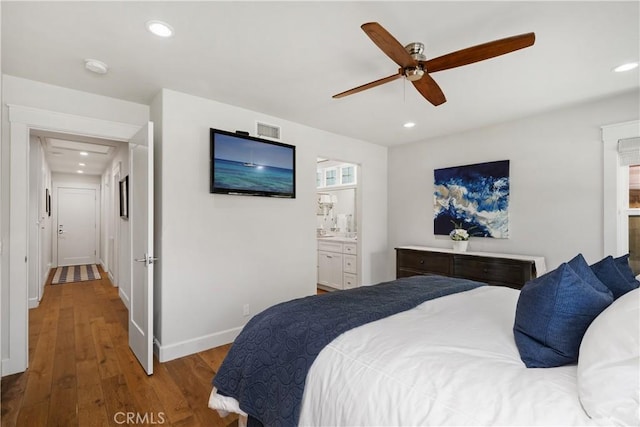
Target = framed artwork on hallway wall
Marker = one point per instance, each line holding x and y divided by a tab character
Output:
47	202
124	197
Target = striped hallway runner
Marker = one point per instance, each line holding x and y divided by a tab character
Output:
75	273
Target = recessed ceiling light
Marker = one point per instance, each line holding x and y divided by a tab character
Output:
409	124
626	67
159	28
81	164
79	171
96	66
84	153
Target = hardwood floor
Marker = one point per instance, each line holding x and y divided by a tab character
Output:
82	372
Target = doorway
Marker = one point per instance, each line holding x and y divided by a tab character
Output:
338	216
22	121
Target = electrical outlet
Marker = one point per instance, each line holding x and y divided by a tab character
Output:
245	310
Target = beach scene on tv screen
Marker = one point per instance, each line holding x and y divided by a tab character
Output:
246	165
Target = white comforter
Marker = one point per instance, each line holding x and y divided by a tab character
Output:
449	361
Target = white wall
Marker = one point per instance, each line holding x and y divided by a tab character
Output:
71	179
105	225
122	229
28	93
219	252
115	230
556	181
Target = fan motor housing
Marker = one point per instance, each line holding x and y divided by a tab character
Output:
416	50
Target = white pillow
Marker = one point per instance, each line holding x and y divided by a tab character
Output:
609	364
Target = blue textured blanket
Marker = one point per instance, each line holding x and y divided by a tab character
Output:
266	367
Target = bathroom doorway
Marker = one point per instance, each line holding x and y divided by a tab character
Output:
337	224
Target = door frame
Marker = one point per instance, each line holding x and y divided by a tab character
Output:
54	217
21	121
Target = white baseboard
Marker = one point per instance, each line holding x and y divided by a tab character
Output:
33	303
124	297
113	282
195	345
10	367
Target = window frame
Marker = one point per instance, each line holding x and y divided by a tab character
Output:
338	170
352	175
616	188
336	177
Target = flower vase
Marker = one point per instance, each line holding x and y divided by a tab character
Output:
460	245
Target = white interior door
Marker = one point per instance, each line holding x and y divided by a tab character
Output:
141	217
35	221
76	228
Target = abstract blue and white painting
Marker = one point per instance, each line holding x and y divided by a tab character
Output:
474	197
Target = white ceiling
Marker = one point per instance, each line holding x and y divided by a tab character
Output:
287	59
63	152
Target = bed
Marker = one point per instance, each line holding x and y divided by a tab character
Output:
452	360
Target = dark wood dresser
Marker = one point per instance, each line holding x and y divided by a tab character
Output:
495	269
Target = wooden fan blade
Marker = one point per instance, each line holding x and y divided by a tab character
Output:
368	86
480	52
430	90
388	44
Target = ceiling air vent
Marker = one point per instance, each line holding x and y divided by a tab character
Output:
268	131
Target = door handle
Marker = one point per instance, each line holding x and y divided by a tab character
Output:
146	259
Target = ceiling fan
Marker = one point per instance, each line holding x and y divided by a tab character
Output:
416	68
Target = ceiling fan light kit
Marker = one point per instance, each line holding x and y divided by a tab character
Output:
413	74
415	67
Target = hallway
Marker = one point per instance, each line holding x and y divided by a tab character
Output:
82	372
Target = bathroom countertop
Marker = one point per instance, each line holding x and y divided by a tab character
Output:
338	239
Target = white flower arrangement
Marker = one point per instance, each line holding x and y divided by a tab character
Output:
458	234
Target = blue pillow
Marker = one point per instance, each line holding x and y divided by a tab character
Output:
552	315
579	265
610	275
622	262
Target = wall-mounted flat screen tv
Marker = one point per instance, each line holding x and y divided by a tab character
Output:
245	165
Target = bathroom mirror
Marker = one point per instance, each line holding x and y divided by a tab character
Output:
337	212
